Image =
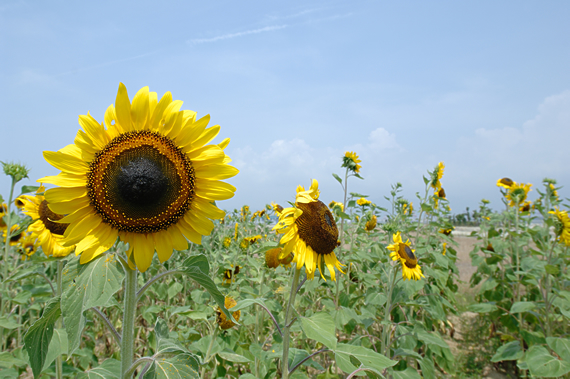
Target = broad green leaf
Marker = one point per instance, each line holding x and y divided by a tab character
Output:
38	337
110	369
8	360
181	366
523	306
408	373
508	352
320	327
483	307
367	357
57	346
8	323
199	261
552	269
86	286
232	356
344	363
205	281
431	338
28	189
247	303
174	289
561	346
247	376
541	363
428	368
337	178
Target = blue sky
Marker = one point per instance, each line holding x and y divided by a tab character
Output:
483	86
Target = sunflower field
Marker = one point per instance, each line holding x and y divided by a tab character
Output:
315	288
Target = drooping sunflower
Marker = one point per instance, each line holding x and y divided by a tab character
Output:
371	223
402	251
517	193
562	226
221	318
333	205
277	208
15	237
19	202
351	161
272	258
310	232
46	226
436	176
3	211
505	183
28	246
146	175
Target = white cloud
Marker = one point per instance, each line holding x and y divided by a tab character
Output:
239	34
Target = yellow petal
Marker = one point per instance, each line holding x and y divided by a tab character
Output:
159	110
224	143
64	179
59	194
207	208
178	240
65	162
193	131
216	172
208	135
140	109
214	189
163	245
199	223
67	207
123	109
95	131
76	232
143	250
189	232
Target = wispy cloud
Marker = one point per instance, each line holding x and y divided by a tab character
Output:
238	34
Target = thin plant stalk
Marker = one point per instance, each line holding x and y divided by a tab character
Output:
4	301
209	351
127	339
341	235
287	327
259	322
59	322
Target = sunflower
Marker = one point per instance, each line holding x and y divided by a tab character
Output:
446	231
28	245
272	258
19	202
310	232
46	226
227	241
444	248
562	226
553	191
221	317
351	161
15	238
408	208
3	211
517	193
505	183
277	208
146	175
333	204
525	207
362	201
371	223
236	231
402	251
229	275
436	176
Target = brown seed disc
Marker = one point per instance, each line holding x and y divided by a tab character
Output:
317	227
48	218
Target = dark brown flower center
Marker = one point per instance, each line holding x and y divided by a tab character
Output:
49	218
411	261
141	182
317	227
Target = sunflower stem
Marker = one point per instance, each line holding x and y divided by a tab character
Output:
286	331
5	296
258	323
387	310
127	339
341	234
59	322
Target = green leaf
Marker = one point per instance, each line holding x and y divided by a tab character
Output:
232	356
199	261
408	373
320	327
508	352
522	306
109	369
247	303
8	323
552	270
338	179
86	286
483	307
205	281
181	366
8	360
431	338
541	363
174	289
57	347
344	363
28	189
561	346
367	357
428	368
38	337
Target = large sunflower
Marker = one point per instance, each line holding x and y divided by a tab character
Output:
145	175
46	227
402	251
310	232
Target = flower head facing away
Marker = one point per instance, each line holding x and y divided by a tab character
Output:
436	176
402	251
505	183
146	175
351	161
221	318
561	226
310	232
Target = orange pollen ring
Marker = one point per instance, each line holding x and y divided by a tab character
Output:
123	153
